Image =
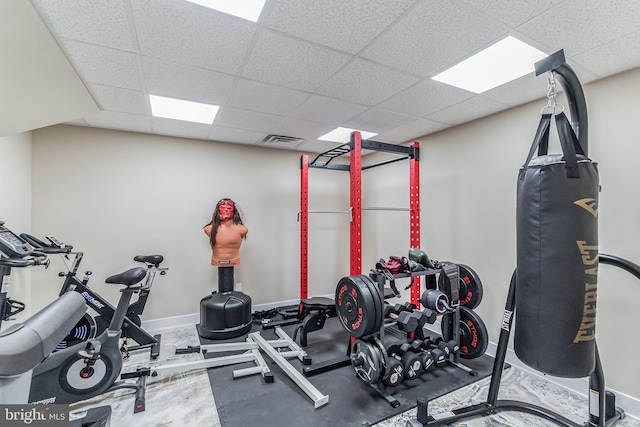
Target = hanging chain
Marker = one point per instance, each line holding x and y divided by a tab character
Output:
551	92
551	96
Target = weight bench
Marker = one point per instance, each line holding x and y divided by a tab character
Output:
313	313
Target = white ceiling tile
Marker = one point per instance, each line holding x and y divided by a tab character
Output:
102	65
245	119
416	129
366	83
194	84
584	74
292	63
424	98
265	98
177	31
241	136
468	110
580	25
327	110
99	22
343	25
316	146
299	128
435	35
180	128
120	121
520	91
613	57
378	121
513	13
391	138
117	99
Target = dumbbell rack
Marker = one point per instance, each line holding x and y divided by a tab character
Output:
450	269
452	272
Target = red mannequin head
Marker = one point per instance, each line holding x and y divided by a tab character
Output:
225	209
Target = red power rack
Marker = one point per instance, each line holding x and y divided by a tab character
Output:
355	168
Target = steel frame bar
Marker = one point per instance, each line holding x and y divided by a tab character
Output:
318	398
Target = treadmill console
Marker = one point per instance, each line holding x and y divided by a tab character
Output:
13	245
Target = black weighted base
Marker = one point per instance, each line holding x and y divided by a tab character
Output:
227	313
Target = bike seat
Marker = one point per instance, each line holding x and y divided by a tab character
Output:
150	259
129	277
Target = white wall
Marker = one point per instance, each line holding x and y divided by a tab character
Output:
468	190
15	210
114	195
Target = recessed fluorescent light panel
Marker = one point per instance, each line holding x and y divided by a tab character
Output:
179	109
496	65
344	135
245	9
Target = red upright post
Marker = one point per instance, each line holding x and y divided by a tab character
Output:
414	218
304	226
355	172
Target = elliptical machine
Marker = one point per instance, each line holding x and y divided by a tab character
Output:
88	326
84	370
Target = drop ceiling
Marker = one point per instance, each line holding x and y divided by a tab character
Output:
309	66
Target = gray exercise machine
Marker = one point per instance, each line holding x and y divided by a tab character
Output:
24	346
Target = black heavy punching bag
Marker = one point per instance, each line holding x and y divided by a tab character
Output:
557	256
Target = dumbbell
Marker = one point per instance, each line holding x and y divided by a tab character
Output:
440	350
411	360
439	356
394	372
410	321
406	321
408	355
448	347
428	361
398	308
427	316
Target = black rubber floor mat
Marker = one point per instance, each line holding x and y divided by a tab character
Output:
250	401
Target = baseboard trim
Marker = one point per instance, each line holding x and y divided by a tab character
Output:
630	404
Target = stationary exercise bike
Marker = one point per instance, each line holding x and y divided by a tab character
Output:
88	326
86	369
24	345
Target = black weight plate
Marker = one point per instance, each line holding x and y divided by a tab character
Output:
355	306
470	286
383	353
378	302
473	334
367	361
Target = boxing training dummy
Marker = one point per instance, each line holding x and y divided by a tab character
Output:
225	313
